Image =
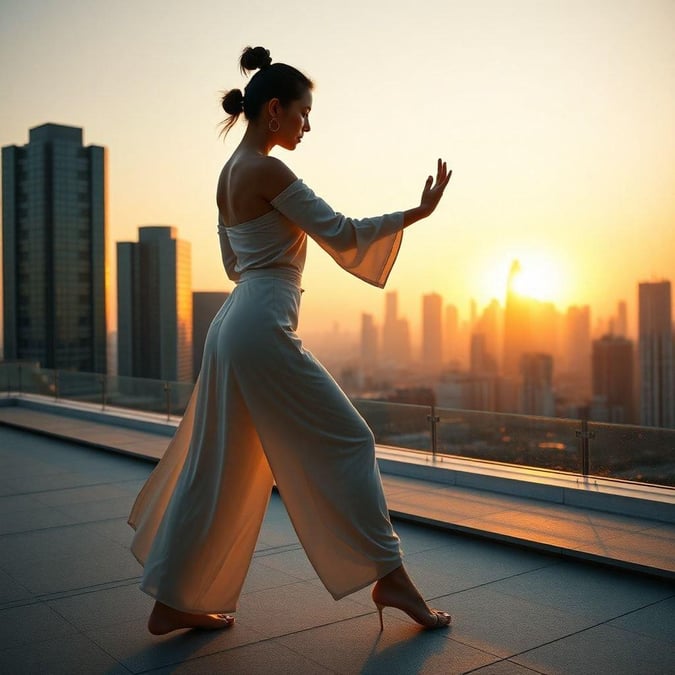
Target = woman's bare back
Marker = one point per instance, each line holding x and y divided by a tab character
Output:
247	184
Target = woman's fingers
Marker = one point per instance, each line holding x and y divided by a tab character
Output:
442	174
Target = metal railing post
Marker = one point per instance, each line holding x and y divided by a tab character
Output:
167	391
585	436
433	419
103	382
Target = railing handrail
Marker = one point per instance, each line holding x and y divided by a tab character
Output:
427	420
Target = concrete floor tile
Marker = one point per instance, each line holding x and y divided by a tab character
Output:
16	503
504	667
72	573
91	610
602	649
575	588
35	519
113	529
287	609
358	646
79	495
442	505
131	644
63	656
31	624
641	548
656	621
117	507
465	563
415	539
26	548
261	577
293	562
260	659
544	527
505	625
11	590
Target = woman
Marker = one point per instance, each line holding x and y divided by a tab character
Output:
264	409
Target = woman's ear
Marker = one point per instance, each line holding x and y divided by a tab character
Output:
274	107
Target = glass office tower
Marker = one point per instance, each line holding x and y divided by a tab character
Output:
54	250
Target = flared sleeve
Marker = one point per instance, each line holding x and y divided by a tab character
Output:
226	253
366	247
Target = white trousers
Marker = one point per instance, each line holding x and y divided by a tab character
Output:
264	410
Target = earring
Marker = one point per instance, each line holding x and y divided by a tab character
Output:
276	127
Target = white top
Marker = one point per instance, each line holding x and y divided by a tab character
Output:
367	247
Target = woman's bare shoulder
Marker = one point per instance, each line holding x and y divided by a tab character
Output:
274	176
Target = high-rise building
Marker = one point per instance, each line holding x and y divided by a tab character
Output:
490	326
657	404
613	386
54	250
481	362
395	334
205	305
621	326
536	390
154	300
517	326
577	361
432	331
369	343
451	346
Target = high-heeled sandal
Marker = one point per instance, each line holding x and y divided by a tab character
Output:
442	619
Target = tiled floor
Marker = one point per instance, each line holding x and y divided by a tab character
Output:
635	543
69	601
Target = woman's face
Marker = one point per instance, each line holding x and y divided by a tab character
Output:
294	122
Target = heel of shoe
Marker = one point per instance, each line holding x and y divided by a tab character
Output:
379	610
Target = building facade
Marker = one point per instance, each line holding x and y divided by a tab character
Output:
54	250
154	306
432	331
536	389
205	305
613	382
657	394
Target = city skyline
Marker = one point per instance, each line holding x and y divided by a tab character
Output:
556	121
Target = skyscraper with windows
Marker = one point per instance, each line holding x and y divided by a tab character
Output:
54	250
613	391
657	393
154	306
536	391
432	332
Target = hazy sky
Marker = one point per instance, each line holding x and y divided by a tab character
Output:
557	118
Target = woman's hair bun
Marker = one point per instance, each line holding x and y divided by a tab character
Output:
233	102
253	58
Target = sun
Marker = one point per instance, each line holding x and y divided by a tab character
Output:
535	277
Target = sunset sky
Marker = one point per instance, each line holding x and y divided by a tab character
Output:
556	117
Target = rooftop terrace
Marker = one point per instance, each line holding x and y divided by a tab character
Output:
519	575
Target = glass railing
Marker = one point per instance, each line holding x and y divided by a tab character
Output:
617	451
105	391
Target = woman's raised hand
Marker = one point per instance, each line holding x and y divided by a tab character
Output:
433	192
431	195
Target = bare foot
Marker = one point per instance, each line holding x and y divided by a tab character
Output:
396	589
164	619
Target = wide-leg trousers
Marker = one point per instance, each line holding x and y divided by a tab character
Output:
264	410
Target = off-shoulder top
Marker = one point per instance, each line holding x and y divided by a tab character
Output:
367	247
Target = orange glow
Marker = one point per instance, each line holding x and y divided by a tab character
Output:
538	278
